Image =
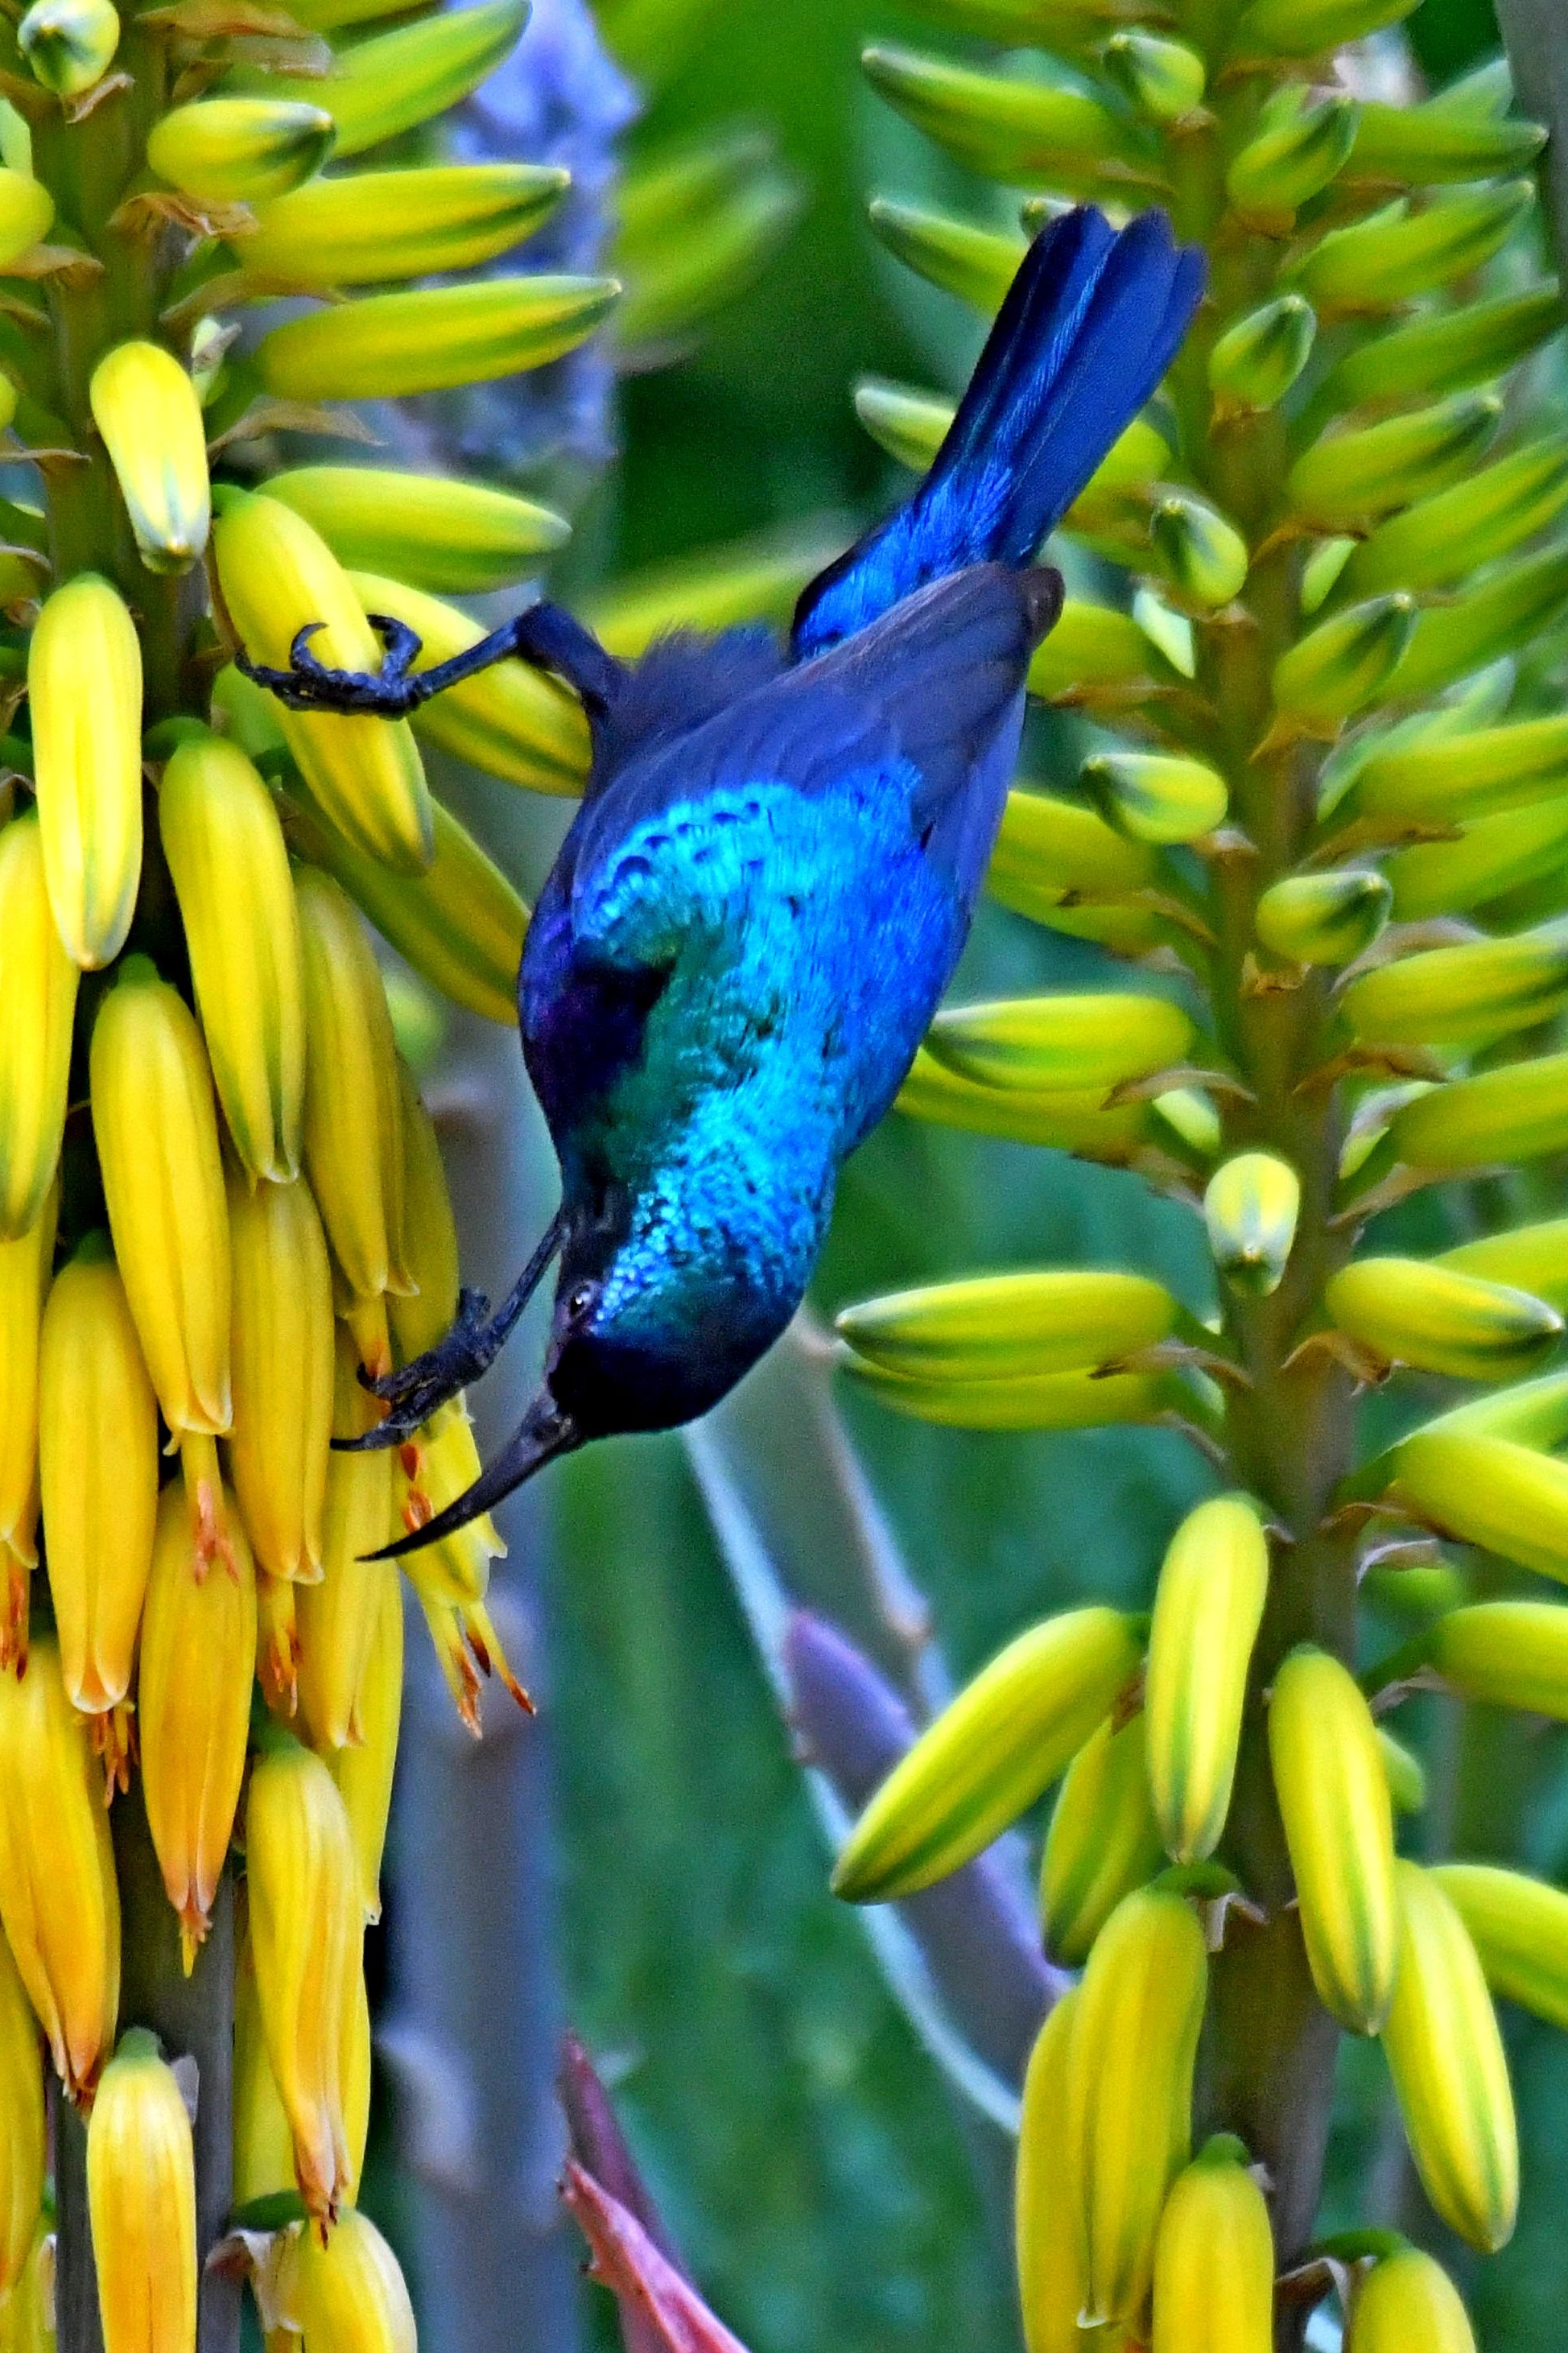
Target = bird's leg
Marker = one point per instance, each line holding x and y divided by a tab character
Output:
545	635
418	1389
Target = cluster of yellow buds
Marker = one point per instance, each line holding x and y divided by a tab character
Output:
1329	828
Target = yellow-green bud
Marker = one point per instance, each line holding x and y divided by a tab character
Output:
1214	2259
1516	1112
337	1617
368	227
1440	1321
1397	254
1297	149
453	538
354	1150
1533	1258
1451	641
1306	29
345	2290
1351	475
1406	1773
1049	849
27	211
1505	1653
1407	2300
1339	1827
145	406
393	81
1328	918
1443	538
1463	996
989	1755
23	2145
229	151
1445	2056
84	689
25	1266
1048	1044
1208	1606
1341	664
1165	79
37	988
1458	135
1441	352
68	43
1154	797
434	338
1049	2195
1480	772
991	1327
1519	1930
1103	1840
1251	1208
1204	556
1494	855
1009	129
1254	363
363	1771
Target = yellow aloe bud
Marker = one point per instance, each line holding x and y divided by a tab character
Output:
1103	1840
433	338
1340	665
989	1754
1208	1606
1156	797
307	1932
1129	2090
277	577
455	538
1406	1773
25	1266
70	44
393	81
1254	363
1076	1401
991	1327
1441	1321
60	1905
1296	150
1405	2301
145	406
1463	996
1516	1112
368	227
1356	473
353	1149
1520	1929
277	1642
230	870
27	211
156	1131
1204	556
1214	2259
84	689
1165	79
1324	918
420	1316
282	1346
511	720
1049	848
230	151
1476	773
975	264
460	924
98	1462
1040	1044
356	2082
1339	1827
141	2198
1009	129
1047	2195
263	2144
1397	253
337	1617
1488	1491
23	2152
198	1663
1484	860
347	2293
37	988
363	1772
1445	2056
1505	1653
1251	1208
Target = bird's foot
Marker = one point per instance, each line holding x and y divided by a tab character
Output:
390	692
416	1391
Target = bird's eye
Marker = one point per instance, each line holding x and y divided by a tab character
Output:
581	1301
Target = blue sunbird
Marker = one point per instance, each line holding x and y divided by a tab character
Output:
758	905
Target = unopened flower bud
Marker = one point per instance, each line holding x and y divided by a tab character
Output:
37	988
84	689
141	2198
145	406
1251	1208
70	44
282	1359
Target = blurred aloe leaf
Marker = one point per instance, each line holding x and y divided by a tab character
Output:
698	223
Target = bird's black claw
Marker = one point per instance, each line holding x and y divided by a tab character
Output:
416	1391
309	685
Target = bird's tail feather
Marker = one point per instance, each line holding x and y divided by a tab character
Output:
1089	327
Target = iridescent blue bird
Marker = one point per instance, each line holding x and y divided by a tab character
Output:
763	895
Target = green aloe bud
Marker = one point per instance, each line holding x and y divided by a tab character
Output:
1349	476
1440	1321
1308	28
1444	537
70	44
1251	1209
1535	1257
1297	149
1450	138
1519	1928
1254	363
1440	778
1041	1044
1156	797
1049	849
1495	855
1205	557
394	81
1326	918
1015	131
1341	664
1445	351
1463	996
1166	79
1452	641
978	265
1516	1112
1398	254
994	1327
1103	1840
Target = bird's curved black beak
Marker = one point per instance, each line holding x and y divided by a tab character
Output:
545	1433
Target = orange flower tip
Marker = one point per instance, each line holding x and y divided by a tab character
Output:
417	1510
408	1458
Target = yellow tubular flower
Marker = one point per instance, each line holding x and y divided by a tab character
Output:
27	2320
277	1642
420	1316
1339	1826
84	689
436	1467
337	1617
145	406
1129	2089
1409	2301
224	847
37	988
1445	2056
347	2292
97	1464
353	1149
156	1131
307	1935
1103	1840
24	2142
276	576
23	1279
1207	1609
1047	2195
283	1355
364	1773
198	1663
60	1905
356	2082
141	2198
263	2145
989	1755
1214	2259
